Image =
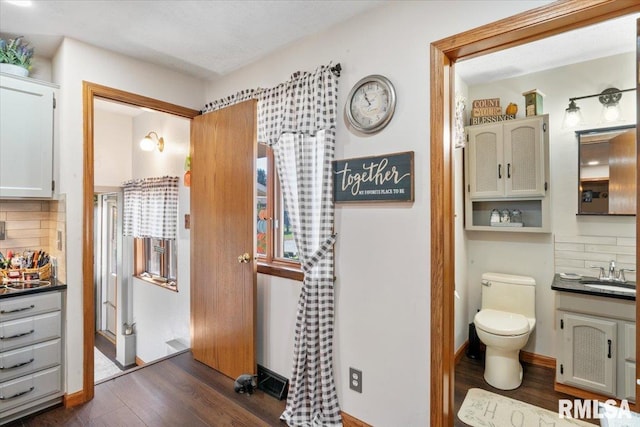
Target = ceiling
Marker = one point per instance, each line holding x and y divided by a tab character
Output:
208	39
205	39
608	38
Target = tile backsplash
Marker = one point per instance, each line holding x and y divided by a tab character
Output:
576	254
35	224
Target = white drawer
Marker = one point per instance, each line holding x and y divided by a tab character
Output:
30	330
29	305
630	341
29	387
29	359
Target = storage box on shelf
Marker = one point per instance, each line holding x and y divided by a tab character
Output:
507	168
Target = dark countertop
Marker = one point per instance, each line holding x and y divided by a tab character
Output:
6	292
576	286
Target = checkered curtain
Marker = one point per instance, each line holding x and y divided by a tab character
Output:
298	119
151	207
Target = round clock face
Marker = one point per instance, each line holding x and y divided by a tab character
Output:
371	103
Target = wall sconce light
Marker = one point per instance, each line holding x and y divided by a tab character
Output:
609	98
148	144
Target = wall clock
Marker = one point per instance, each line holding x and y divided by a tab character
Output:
370	104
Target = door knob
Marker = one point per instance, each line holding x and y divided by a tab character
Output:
244	258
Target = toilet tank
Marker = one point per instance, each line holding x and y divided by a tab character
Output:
507	292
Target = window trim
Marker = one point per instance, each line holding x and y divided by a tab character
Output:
139	262
268	263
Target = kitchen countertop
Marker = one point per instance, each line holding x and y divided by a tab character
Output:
28	289
572	285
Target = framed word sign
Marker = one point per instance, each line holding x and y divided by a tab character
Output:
372	179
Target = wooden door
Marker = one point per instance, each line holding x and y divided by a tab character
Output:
622	173
223	220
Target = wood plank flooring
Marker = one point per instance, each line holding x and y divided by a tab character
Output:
177	391
536	389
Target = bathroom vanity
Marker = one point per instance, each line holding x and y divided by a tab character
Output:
595	330
31	349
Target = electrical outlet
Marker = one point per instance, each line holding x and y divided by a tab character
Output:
3	233
355	380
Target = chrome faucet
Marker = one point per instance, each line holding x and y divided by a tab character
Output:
612	275
612	270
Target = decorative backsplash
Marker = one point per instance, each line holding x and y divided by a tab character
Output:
36	224
576	254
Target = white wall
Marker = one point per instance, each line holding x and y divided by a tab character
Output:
533	255
112	148
162	315
73	63
382	252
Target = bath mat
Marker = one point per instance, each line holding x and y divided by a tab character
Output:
103	367
485	409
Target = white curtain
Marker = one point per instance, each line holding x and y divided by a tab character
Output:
297	119
151	207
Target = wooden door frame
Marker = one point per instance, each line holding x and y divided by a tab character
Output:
535	24
91	91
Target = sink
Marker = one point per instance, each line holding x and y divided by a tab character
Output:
19	286
611	287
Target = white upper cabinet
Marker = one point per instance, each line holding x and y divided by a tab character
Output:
508	159
26	137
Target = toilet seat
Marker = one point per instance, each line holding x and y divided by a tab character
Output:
501	322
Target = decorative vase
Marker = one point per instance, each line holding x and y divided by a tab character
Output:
16	70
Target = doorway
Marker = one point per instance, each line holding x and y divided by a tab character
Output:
108	263
522	28
92	92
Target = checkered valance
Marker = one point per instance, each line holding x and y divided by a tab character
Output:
151	207
305	104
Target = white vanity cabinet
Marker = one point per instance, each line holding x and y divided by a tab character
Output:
30	354
507	168
588	358
629	363
26	137
596	344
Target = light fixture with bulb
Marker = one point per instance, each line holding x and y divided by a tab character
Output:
609	98
148	144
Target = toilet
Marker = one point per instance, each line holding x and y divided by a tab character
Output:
503	324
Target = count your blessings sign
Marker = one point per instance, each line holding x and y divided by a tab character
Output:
379	178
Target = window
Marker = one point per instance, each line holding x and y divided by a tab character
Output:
276	247
157	261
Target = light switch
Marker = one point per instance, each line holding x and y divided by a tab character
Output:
3	230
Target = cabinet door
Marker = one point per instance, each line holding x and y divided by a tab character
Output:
485	162
524	158
26	138
588	353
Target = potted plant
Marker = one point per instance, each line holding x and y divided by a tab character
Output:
15	56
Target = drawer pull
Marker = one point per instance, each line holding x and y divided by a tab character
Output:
22	393
5	368
17	310
18	335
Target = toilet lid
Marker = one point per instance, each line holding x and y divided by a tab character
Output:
501	323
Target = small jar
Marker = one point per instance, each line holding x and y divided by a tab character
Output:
516	216
495	216
505	215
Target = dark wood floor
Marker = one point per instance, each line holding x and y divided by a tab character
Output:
179	391
536	389
176	391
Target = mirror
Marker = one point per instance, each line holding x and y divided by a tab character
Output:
607	171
